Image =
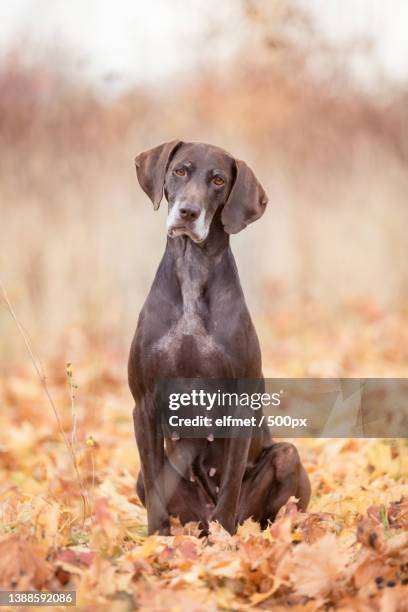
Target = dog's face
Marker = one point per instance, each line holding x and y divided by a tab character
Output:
197	180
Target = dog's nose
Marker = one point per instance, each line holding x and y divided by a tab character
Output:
189	212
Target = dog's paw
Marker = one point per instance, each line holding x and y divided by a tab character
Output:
226	521
159	527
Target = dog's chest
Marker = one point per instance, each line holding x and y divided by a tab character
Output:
188	344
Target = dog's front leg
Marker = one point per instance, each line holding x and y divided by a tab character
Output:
227	504
151	451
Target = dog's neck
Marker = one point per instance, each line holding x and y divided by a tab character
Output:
194	263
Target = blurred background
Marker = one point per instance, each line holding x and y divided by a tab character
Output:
313	95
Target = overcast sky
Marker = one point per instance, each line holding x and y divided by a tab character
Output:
142	41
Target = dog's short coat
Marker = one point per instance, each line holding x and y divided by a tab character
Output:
195	324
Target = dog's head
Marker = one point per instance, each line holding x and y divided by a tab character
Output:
197	180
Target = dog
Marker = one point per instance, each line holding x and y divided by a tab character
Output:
195	324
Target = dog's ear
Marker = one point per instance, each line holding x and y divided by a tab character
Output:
246	202
151	169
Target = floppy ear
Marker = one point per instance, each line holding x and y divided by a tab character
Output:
247	200
151	169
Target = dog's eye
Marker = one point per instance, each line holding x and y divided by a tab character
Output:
180	172
217	180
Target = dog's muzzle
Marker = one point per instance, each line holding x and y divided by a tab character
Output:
188	220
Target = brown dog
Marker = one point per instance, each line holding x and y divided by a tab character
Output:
195	324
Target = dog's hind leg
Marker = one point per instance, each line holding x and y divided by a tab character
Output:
277	475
